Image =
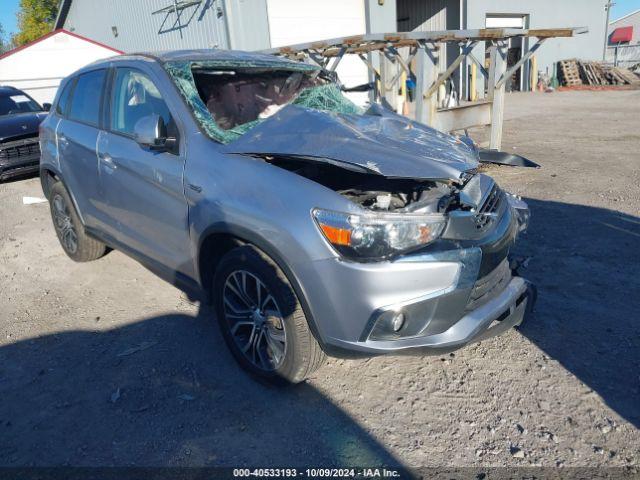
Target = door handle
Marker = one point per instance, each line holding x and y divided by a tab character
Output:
108	161
195	188
62	140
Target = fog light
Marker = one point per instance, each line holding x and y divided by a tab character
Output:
397	322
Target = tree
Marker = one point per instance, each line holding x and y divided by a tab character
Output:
35	19
3	42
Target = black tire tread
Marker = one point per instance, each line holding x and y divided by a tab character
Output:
310	354
89	248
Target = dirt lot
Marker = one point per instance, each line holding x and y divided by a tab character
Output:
104	364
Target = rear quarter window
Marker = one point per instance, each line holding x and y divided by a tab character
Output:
63	101
87	97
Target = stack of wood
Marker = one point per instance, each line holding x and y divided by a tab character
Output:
568	73
576	72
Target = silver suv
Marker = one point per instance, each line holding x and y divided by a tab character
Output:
314	227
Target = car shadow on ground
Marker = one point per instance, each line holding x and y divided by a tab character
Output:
586	265
163	391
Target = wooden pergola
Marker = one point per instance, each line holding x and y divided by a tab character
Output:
425	48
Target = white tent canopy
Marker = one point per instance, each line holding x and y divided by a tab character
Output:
38	67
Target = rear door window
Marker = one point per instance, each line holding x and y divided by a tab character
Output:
87	98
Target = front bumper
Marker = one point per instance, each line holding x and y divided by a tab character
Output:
449	298
501	313
19	157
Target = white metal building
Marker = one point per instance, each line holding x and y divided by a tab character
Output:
148	25
261	24
624	40
628	24
38	67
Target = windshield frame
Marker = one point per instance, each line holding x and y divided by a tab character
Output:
181	75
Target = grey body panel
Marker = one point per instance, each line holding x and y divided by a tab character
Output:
77	145
160	208
141	192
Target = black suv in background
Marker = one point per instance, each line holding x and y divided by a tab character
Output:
20	117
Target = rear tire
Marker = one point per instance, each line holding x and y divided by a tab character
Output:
74	240
261	319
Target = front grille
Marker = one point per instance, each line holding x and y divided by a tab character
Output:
28	147
490	285
489	207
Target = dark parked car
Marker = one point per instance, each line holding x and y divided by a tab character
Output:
314	226
20	117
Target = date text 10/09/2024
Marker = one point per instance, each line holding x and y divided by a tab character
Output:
316	472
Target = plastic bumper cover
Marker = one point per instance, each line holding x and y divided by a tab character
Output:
504	311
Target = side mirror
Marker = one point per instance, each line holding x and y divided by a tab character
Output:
151	132
46	107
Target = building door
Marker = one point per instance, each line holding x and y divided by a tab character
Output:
514	53
516	47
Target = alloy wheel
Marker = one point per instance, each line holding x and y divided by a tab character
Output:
64	225
255	320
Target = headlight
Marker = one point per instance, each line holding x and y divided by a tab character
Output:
378	235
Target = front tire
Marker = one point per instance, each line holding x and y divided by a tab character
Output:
261	319
70	230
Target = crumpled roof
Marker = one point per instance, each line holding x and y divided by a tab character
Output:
232	58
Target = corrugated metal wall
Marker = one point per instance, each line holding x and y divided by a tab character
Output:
429	16
422	15
202	25
248	24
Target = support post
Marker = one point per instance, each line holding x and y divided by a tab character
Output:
534	73
496	91
452	68
473	93
427	66
386	75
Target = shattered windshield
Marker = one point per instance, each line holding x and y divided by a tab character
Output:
228	100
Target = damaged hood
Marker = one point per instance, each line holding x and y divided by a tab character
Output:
379	142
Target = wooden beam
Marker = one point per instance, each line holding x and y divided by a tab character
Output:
452	68
520	62
475	114
379	41
497	71
427	63
553	32
480	65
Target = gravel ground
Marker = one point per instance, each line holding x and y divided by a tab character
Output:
105	364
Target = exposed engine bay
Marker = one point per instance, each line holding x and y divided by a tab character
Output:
375	192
